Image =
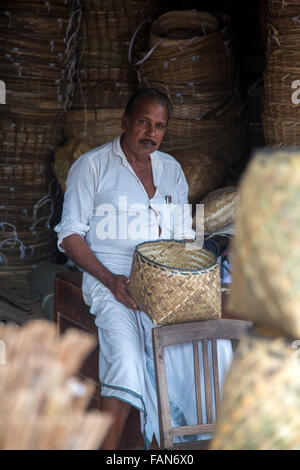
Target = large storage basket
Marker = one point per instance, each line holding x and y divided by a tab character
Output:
260	401
265	249
173	283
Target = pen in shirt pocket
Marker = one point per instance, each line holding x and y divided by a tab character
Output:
168	199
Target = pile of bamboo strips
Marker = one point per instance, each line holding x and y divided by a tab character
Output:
43	406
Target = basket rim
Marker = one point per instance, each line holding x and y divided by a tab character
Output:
174	268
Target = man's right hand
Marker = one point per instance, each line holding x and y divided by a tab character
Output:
118	286
79	251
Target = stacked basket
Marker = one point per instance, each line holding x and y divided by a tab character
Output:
38	41
260	407
281	100
190	57
105	79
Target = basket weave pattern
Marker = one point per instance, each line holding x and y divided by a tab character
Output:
266	254
172	284
281	113
190	57
260	408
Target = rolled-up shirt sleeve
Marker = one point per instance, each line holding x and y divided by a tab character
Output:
78	200
184	221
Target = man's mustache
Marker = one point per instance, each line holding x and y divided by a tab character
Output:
148	141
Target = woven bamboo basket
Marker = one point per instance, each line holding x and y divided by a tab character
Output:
24	174
278	87
260	399
283	61
60	8
21	213
265	273
283	7
28	237
110	94
214	64
191	131
36	94
219	208
111	25
204	59
171	283
228	149
123	6
203	173
65	156
175	27
281	130
281	111
27	22
281	34
95	127
12	256
18	277
192	100
199	91
117	74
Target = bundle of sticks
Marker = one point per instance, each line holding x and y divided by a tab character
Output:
44	406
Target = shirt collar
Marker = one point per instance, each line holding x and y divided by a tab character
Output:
156	159
117	149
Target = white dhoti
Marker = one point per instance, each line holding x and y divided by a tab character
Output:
126	366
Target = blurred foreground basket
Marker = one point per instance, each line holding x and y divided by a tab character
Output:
260	403
172	283
266	251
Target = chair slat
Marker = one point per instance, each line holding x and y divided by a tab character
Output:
192	332
216	375
207	383
197	382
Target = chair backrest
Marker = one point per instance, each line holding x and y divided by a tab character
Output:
195	331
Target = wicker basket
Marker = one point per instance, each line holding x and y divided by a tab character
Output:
228	149
266	254
175	27
283	7
203	173
278	87
260	402
282	33
204	59
281	130
174	284
192	132
96	127
65	156
219	208
283	61
281	111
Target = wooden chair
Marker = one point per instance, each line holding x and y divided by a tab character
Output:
168	335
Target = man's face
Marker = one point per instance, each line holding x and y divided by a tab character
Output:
144	128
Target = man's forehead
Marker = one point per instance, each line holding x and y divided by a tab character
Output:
142	107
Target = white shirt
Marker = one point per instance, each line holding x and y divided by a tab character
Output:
107	205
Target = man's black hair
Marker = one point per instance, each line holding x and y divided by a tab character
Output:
150	94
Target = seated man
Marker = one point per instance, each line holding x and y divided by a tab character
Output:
99	230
